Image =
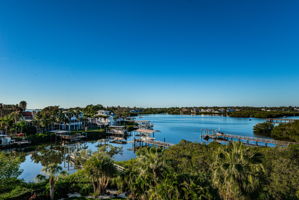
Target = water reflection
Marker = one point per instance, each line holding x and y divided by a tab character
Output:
172	129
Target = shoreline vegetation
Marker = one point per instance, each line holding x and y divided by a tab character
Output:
246	112
288	131
184	171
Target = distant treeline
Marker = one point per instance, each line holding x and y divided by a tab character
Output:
256	112
263	114
172	110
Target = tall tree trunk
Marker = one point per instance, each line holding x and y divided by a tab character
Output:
103	183
52	187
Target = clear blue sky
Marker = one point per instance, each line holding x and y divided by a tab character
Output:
149	53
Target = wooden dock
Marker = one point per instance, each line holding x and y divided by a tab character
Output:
145	142
257	141
72	137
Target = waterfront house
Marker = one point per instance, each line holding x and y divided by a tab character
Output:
72	123
103	118
27	116
144	124
104	113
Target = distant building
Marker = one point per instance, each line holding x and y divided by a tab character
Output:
184	111
208	110
104	112
74	124
103	118
28	116
144	124
194	111
222	110
135	111
230	110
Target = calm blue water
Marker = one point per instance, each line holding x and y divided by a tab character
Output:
172	128
177	127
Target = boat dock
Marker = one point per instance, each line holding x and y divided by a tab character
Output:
245	139
66	135
145	141
144	124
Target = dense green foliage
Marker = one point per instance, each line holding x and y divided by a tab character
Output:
237	172
9	167
195	171
154	172
91	110
184	171
9	171
288	131
264	129
9	124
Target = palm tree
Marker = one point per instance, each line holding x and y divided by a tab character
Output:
82	156
151	162
148	170
3	124
23	105
20	125
99	168
236	171
52	170
7	123
50	159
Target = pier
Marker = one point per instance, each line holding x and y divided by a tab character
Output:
72	138
245	139
66	135
145	141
